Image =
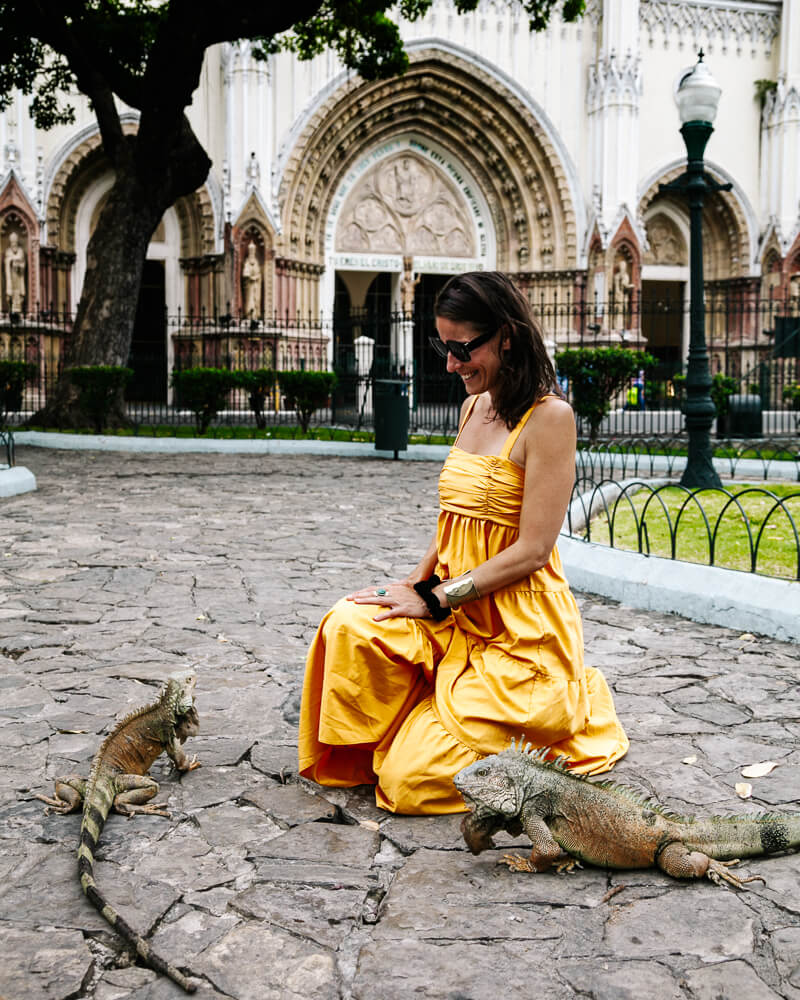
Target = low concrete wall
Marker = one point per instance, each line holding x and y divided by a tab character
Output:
16	480
707	594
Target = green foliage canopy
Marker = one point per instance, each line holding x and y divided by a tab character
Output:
133	48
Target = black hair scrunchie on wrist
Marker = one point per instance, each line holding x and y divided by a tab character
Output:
425	590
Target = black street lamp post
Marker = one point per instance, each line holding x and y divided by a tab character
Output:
697	99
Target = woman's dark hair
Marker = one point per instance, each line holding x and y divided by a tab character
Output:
489	301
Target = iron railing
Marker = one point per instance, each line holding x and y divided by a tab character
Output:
753	338
758	528
759	458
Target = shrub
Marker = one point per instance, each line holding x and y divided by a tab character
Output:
306	392
204	391
722	386
791	393
596	375
258	385
13	376
99	390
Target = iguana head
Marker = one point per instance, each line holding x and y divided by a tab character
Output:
489	784
179	691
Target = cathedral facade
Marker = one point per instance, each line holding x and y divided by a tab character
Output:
539	154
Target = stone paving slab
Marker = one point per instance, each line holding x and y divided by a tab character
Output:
123	567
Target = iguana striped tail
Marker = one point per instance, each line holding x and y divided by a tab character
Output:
95	812
749	836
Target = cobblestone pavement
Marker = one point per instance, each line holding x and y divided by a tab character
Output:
122	568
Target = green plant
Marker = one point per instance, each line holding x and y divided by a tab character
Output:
596	375
99	390
259	385
204	391
306	392
722	386
791	393
13	376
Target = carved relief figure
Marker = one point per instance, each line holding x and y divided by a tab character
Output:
251	283
408	285
14	269
622	291
666	246
405	183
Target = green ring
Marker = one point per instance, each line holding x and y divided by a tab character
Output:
381	592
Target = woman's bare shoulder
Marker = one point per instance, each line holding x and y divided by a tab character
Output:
553	420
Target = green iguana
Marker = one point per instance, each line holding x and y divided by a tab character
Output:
118	779
571	819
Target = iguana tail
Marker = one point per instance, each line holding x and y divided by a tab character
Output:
94	818
724	838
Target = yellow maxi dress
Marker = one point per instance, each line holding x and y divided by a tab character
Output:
406	703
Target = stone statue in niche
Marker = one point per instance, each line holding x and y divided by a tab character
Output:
14	270
622	292
794	294
408	285
251	283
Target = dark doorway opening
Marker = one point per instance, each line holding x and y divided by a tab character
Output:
434	385
148	354
662	325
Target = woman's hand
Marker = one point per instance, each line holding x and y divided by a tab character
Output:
398	599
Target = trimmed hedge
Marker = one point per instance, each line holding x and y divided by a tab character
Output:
204	391
306	392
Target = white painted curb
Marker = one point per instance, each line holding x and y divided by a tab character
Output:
16	480
706	594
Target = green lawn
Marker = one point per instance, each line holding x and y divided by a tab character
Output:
710	521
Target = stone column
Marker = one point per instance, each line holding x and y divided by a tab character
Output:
613	110
780	133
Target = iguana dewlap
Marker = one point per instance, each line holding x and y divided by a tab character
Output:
118	779
569	818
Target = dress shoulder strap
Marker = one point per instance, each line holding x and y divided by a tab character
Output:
511	440
467	415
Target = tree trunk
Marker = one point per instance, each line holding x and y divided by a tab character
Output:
148	181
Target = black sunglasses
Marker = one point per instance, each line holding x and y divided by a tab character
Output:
460	352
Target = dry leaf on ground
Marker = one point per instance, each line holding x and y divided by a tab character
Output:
759	770
743	789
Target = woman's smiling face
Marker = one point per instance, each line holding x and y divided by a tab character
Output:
480	373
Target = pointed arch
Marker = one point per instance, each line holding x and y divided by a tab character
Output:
470	114
728	239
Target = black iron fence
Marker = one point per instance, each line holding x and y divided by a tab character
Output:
753	339
621	457
744	527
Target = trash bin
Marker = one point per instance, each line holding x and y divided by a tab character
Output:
744	416
391	414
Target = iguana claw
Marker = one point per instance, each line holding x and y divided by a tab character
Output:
718	872
567	866
517	863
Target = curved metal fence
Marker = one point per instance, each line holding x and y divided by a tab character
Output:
748	528
665	456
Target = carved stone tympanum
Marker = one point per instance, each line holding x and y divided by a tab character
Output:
404	205
667	245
